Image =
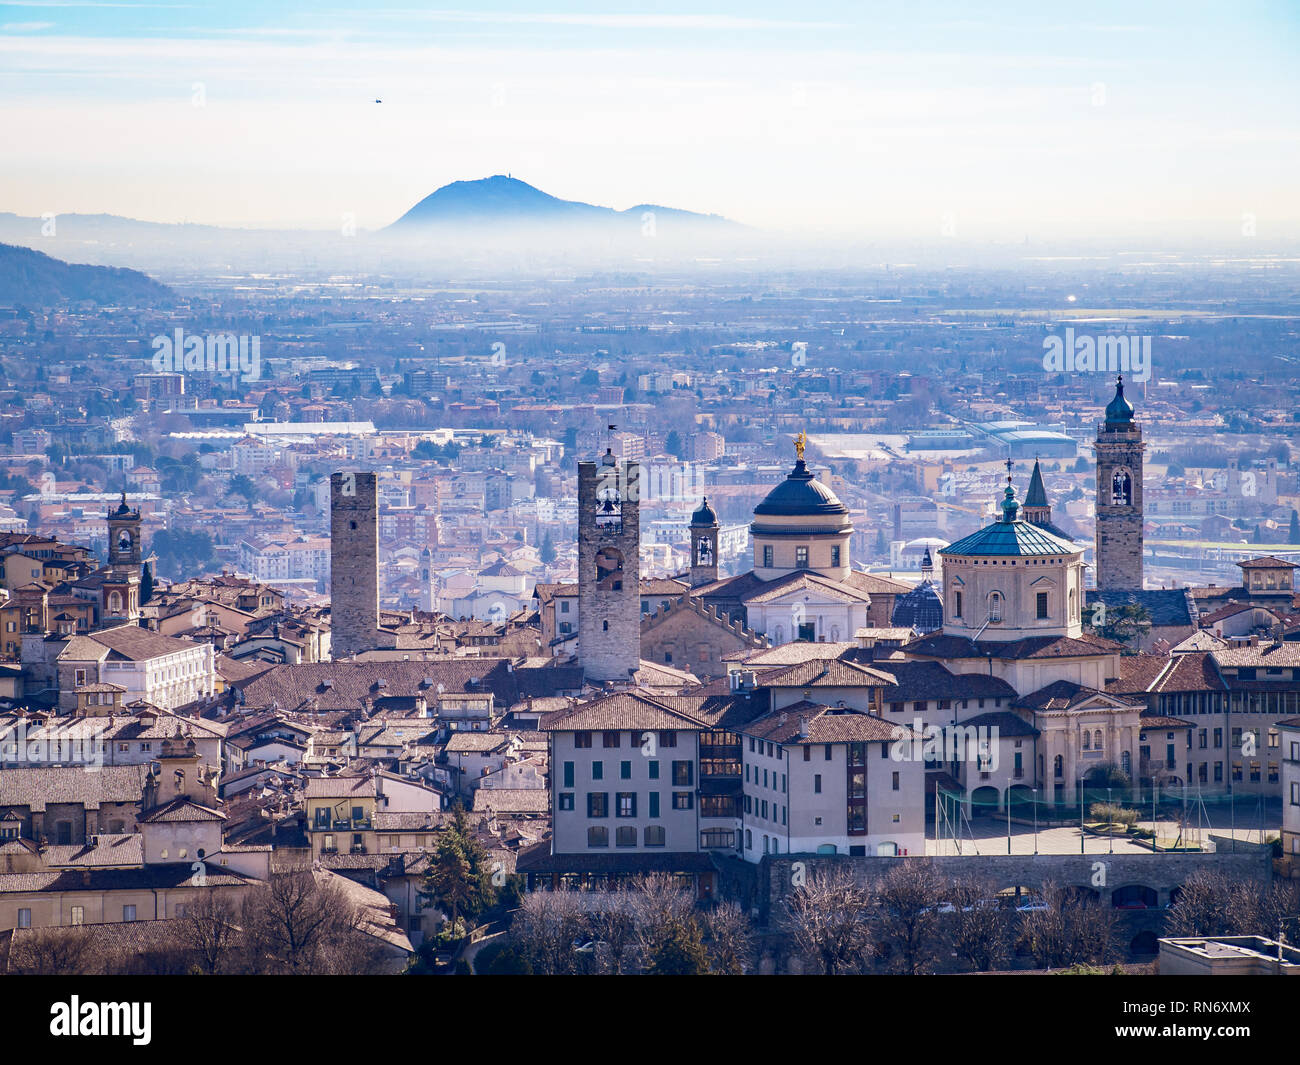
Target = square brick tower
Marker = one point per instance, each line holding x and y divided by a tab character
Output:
1119	449
609	568
354	563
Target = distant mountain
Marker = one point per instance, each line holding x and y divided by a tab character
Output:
507	200
32	278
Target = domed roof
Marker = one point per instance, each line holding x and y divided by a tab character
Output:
1119	411
704	514
920	609
800	495
1010	536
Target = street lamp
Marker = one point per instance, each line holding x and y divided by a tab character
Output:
1110	823
1035	790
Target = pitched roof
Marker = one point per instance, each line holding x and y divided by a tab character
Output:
825	724
628	711
74	785
1067	695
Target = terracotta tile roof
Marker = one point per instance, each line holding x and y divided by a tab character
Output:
825	725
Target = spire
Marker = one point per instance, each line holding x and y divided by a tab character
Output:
927	566
1037	494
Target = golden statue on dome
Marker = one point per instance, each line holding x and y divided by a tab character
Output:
800	442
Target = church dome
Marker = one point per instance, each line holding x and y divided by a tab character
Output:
704	514
800	495
920	609
1119	411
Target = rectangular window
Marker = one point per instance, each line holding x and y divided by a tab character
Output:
582	739
626	804
566	800
835	555
668	739
654	769
683	800
597	770
24	918
78	915
568	774
128	913
767	557
895	785
956	608
611	739
625	770
598	804
625	836
801	558
683	774
807	754
1042	605
654	804
817	783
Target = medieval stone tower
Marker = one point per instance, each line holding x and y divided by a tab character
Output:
354	563
609	567
124	547
1119	450
120	594
704	545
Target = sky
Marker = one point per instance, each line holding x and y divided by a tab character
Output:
906	120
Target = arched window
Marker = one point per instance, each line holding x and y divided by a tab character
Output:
1074	605
115	603
1096	740
995	606
749	839
1121	488
1058	767
1087	740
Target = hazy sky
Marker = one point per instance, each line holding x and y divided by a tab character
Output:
899	119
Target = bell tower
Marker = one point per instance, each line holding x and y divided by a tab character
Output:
124	548
704	545
1119	449
609	568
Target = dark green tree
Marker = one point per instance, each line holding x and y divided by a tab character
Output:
242	485
146	584
673	445
547	553
1293	536
677	949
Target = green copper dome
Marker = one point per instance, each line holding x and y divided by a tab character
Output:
1119	411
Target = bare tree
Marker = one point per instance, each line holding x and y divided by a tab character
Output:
828	916
906	908
728	938
978	928
1202	906
1073	928
54	952
290	920
547	927
208	933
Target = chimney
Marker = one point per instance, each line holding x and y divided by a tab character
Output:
803	727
